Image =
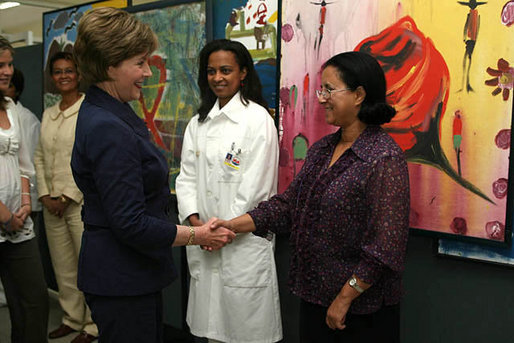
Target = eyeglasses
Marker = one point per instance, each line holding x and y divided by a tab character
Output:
327	93
59	72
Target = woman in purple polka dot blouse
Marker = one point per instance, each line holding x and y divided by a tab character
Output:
347	212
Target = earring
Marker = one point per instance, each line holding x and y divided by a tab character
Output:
242	83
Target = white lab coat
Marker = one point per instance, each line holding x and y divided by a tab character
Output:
229	164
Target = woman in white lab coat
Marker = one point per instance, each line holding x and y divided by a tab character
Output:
229	164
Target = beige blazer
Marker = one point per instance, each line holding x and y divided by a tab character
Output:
53	153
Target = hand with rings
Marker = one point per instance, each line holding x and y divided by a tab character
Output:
55	206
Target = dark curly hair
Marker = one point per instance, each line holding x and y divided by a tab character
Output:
360	69
251	88
61	55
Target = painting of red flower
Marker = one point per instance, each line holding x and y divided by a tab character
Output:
418	87
418	80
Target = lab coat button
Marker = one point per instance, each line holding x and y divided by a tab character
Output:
209	193
197	153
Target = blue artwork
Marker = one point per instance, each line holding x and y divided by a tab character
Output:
477	252
221	10
254	24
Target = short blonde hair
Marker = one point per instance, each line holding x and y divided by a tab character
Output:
106	37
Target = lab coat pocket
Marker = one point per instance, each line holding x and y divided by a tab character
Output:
229	175
230	170
234	159
247	262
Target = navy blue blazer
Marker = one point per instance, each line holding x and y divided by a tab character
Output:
127	242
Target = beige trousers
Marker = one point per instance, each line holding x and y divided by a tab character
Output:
64	237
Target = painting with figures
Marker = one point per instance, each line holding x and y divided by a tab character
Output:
449	79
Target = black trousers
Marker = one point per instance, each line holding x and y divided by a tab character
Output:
379	327
25	288
128	319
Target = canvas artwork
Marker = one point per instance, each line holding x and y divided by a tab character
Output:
59	34
477	252
170	97
449	75
254	24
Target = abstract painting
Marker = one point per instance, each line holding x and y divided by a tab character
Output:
449	75
254	24
170	97
59	34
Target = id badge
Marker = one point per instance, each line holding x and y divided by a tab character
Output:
233	157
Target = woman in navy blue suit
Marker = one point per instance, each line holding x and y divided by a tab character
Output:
125	259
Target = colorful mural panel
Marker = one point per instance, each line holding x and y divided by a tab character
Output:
445	71
170	97
254	24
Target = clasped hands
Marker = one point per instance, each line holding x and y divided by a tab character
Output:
214	234
54	205
17	220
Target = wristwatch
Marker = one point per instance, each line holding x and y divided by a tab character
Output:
63	199
353	283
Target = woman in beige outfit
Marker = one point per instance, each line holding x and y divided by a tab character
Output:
62	200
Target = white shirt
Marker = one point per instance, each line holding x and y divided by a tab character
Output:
15	163
229	164
30	125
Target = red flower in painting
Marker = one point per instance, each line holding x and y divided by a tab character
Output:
502	139
495	230
459	226
418	83
507	16
503	78
500	187
417	77
287	33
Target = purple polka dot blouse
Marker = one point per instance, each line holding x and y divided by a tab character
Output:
350	218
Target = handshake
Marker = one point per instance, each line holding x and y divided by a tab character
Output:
213	235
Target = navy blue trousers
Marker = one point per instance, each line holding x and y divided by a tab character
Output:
127	319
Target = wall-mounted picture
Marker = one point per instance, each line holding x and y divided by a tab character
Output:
477	252
254	23
170	97
450	82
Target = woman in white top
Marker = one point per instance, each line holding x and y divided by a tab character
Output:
229	164
20	268
31	126
61	198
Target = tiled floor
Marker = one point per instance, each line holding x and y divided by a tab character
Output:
54	321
